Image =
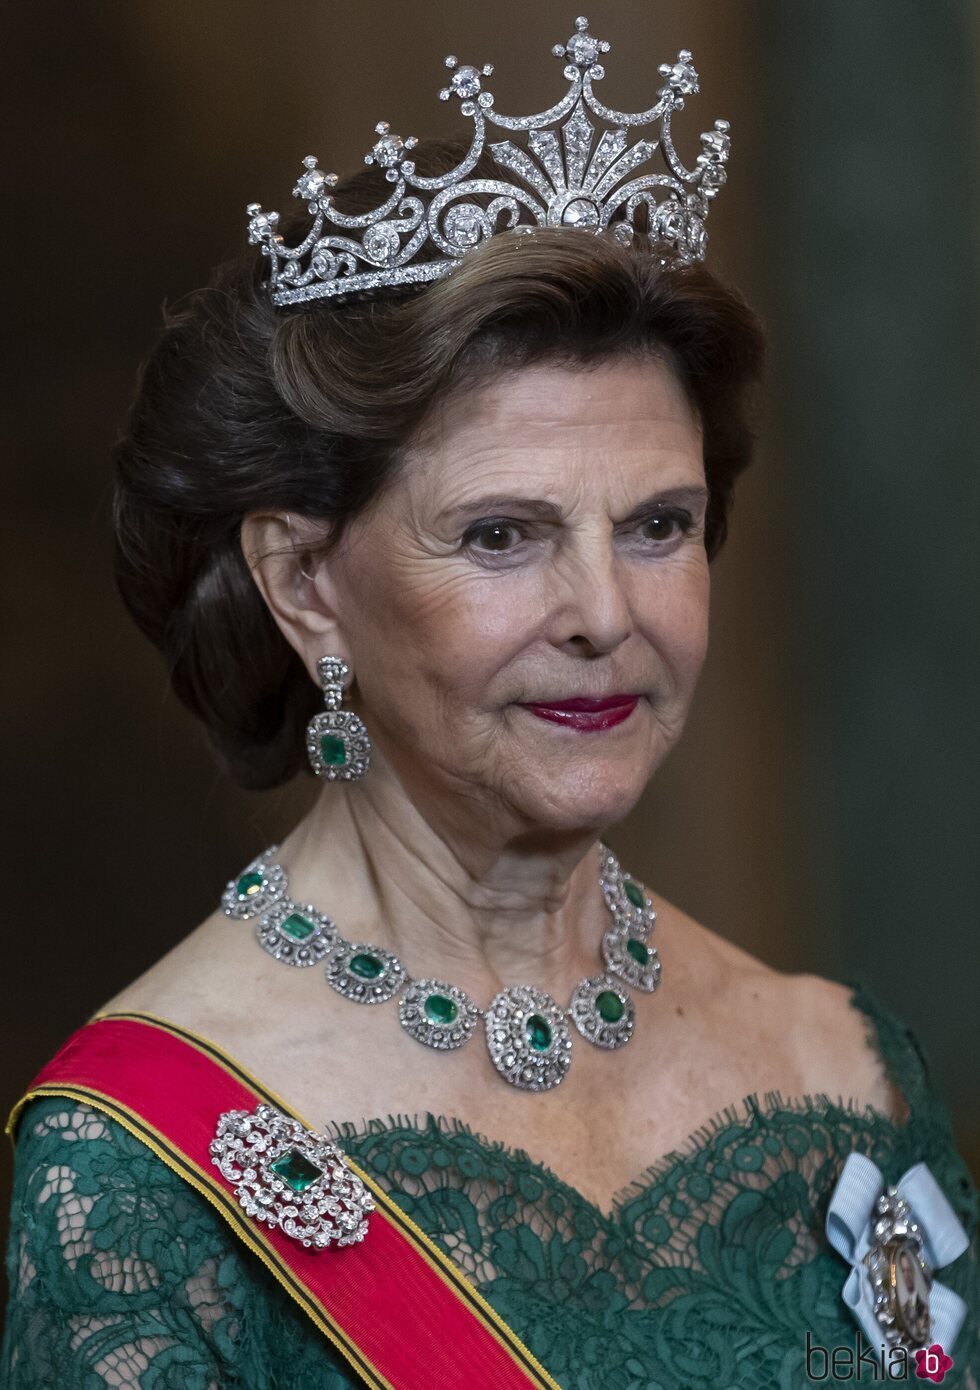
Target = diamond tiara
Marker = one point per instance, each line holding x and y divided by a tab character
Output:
567	183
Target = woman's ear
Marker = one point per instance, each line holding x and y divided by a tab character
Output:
295	584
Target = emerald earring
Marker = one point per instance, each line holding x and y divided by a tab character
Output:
337	742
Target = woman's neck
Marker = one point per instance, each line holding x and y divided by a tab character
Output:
474	901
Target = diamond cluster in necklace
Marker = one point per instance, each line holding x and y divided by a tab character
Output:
528	1033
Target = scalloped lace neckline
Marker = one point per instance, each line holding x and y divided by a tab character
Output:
749	1111
699	1142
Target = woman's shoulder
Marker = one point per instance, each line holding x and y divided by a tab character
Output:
831	1038
835	1035
193	977
121	1273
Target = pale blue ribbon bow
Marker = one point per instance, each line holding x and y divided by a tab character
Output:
850	1218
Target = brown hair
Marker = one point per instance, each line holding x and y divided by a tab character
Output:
242	407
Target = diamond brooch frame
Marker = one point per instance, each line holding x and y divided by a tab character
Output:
291	1178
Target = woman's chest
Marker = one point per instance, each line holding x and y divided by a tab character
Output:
614	1116
711	1270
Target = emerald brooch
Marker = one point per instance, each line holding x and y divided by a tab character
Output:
291	1178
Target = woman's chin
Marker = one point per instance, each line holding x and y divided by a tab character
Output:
581	803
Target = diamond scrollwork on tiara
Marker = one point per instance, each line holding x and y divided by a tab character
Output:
565	178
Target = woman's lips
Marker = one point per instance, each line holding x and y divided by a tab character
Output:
587	714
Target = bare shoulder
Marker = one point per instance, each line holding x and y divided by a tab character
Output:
802	1030
217	985
831	1042
183	985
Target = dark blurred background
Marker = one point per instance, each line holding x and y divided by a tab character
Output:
822	810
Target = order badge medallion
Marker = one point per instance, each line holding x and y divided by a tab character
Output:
894	1238
900	1274
291	1178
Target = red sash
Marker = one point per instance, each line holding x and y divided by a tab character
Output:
396	1307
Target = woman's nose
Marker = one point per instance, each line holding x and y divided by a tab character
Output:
593	601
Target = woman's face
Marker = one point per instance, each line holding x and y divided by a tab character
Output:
545	542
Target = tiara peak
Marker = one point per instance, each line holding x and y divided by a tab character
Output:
562	180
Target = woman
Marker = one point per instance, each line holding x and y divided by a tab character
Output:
476	517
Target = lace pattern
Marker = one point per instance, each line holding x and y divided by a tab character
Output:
707	1272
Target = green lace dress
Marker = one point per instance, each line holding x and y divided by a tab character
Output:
707	1274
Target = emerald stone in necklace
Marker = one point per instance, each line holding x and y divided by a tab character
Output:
365	966
297	935
249	884
528	1038
638	951
257	887
633	892
609	1006
437	1014
439	1008
298	927
626	898
365	974
603	1012
631	959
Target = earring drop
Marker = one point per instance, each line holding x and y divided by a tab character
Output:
337	742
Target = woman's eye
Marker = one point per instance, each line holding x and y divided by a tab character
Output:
503	537
491	535
668	525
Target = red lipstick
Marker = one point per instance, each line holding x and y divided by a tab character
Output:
586	714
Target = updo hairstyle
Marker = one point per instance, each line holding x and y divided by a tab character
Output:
242	406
